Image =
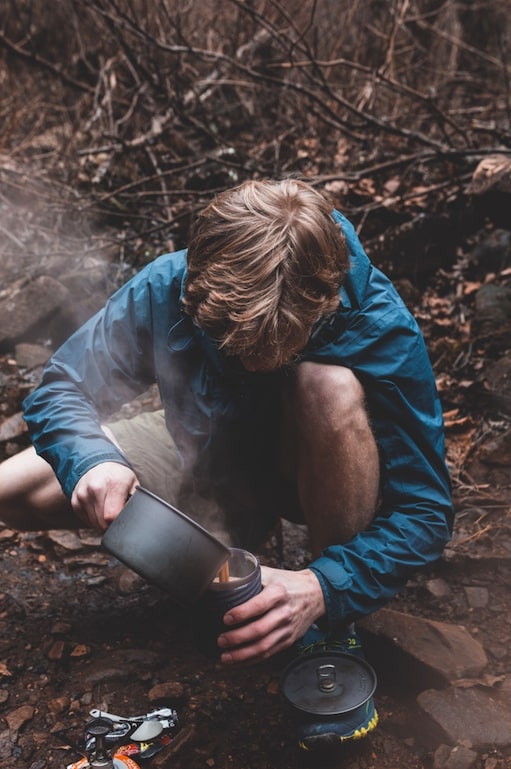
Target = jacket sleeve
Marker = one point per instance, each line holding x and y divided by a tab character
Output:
384	347
104	364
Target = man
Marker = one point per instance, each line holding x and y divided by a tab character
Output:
294	383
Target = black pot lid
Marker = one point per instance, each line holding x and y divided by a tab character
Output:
328	683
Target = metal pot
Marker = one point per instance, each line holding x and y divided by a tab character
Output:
165	547
328	683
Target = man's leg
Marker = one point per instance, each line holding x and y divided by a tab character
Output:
31	498
329	449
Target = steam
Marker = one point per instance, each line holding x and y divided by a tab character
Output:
50	244
58	267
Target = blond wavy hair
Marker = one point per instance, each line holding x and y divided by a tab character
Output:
265	262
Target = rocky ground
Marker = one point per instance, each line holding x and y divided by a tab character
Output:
78	631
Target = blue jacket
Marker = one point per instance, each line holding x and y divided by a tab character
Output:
142	337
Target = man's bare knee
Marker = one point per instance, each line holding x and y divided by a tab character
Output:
320	388
336	459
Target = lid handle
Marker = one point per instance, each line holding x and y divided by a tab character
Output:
326	677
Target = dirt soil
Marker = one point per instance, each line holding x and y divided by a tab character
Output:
80	631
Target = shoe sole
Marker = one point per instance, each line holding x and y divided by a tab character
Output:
329	739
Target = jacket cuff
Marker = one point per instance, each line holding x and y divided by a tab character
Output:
334	581
70	479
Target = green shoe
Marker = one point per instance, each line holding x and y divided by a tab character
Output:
350	726
316	641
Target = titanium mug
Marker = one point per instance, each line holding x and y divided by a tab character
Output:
243	582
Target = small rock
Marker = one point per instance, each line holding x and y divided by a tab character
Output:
492	252
441	755
169	690
136	659
492	173
468	713
17	718
12	427
31	355
498	651
80	650
5	747
58	705
447	757
505	691
128	581
75	706
102	674
438	588
90	537
26	304
477	597
491	189
69	540
56	651
449	650
492	310
4	535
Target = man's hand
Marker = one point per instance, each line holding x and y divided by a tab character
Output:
277	617
102	492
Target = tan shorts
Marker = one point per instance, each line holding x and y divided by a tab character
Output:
150	450
243	520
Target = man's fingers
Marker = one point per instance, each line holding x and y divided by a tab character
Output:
266	646
102	492
114	501
260	604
